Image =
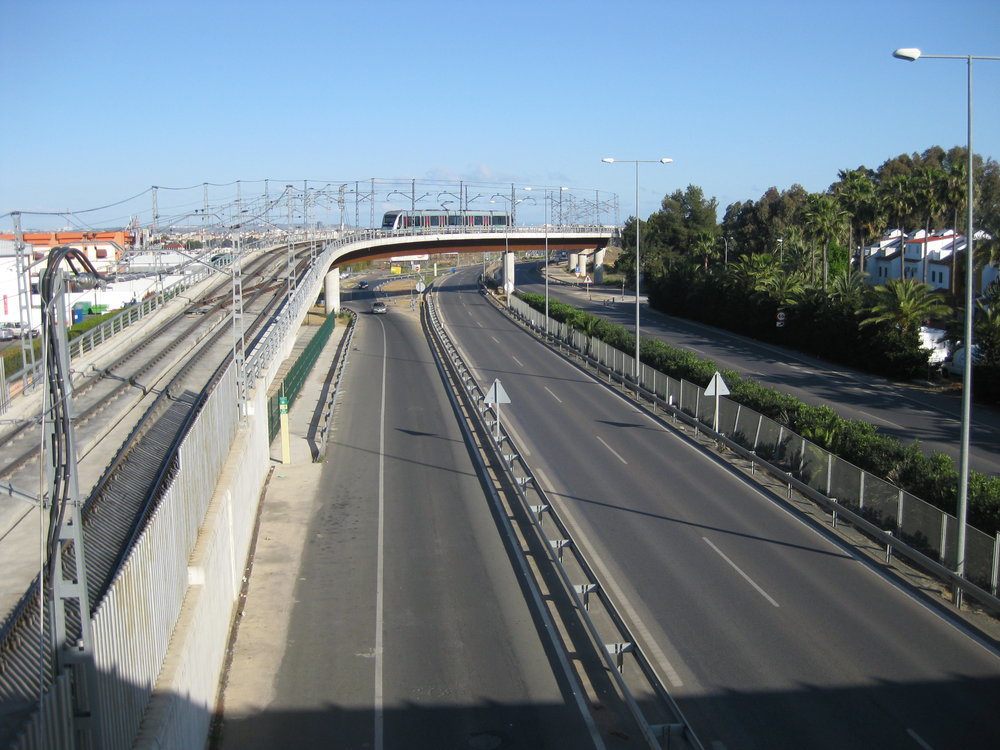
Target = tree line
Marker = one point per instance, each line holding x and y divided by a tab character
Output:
797	254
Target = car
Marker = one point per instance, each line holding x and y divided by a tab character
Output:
7	334
362	285
379	308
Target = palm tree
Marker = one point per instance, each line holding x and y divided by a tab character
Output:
753	272
907	303
955	189
897	197
849	289
856	193
784	288
705	245
824	220
929	182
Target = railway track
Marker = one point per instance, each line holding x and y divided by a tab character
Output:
142	403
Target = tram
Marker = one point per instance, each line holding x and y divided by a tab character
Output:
430	219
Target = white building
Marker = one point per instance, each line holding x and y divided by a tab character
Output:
928	258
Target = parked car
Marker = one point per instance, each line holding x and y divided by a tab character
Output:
379	308
956	365
7	334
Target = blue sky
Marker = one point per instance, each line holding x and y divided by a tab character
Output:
106	98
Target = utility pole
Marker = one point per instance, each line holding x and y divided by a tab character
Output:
72	632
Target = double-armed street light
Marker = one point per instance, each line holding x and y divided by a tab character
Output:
912	54
637	162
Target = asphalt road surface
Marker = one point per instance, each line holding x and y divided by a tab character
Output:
768	633
408	627
905	410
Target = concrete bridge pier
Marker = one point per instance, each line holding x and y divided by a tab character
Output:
331	291
574	261
508	273
599	254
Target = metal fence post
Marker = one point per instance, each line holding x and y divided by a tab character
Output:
996	564
944	538
829	474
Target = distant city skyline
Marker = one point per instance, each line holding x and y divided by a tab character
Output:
107	98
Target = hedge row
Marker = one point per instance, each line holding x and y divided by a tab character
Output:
12	357
932	478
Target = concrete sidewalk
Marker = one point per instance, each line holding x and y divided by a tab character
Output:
287	509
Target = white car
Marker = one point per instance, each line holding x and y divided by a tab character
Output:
379	308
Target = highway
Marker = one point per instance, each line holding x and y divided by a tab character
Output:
409	628
905	410
768	633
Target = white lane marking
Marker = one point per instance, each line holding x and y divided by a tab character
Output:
494	339
919	740
639	628
877	418
616	453
478	323
380	571
739	570
552	394
519	362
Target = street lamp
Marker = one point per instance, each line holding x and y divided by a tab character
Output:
546	200
637	162
912	54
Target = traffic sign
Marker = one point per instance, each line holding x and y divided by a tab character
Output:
717	386
420	286
496	394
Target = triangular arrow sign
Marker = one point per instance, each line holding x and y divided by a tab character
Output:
717	386
497	395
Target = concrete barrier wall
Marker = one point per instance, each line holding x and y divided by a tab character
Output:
180	711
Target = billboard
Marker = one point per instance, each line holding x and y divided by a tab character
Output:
401	258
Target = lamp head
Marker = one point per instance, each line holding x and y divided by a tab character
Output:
907	53
609	160
665	161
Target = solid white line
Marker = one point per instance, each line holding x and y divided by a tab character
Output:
552	394
876	419
919	740
616	454
639	628
519	362
740	571
380	571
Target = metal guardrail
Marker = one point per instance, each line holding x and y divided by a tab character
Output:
789	455
618	645
327	417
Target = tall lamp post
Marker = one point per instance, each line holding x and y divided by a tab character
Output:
547	198
637	162
912	54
